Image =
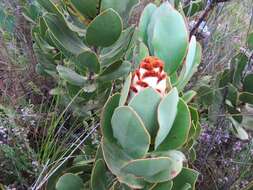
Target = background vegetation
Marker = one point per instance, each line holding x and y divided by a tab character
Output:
38	132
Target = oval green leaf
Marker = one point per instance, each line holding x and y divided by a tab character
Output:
98	176
125	90
153	170
167	111
106	116
187	176
189	95
105	29
179	132
115	71
64	36
168	36
71	76
145	104
250	41
88	8
163	186
69	181
122	7
119	49
87	59
130	132
248	83
145	20
192	61
115	158
239	62
49	6
246	97
140	52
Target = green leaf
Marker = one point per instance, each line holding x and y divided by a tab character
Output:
238	130
115	71
168	43
180	129
194	115
163	186
187	176
153	170
176	4
246	97
189	95
132	181
145	20
71	76
177	158
250	41
99	152
43	46
191	132
40	69
64	36
193	7
88	8
239	62
232	95
247	121
106	115
69	181
167	111
59	46
140	52
147	110
205	95
98	176
236	114
49	6
117	50
74	23
42	27
125	90
115	158
226	77
192	61
122	7
120	186
192	154
105	29
56	91
87	59
31	13
130	132
248	83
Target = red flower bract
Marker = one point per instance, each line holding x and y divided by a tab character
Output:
149	74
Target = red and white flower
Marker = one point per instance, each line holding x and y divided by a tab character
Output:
149	74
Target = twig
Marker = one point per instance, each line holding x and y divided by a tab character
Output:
208	8
206	12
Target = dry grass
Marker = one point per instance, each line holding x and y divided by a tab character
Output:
229	25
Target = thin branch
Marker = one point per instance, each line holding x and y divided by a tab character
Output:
207	10
204	15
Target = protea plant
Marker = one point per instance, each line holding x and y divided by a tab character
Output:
148	128
143	128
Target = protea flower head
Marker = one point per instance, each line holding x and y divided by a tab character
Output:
149	74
